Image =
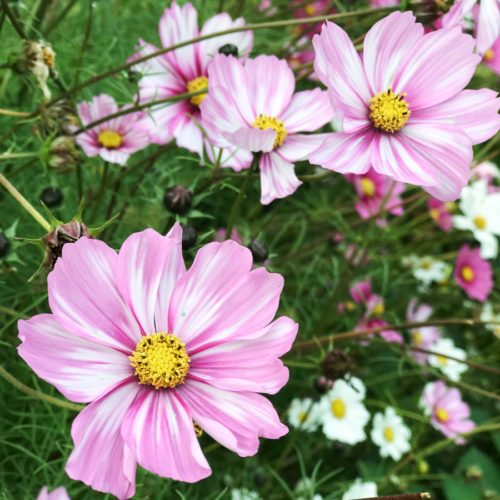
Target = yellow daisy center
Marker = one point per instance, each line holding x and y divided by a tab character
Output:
311	10
195	85
338	408
264	122
379	309
442	360
467	274
435	214
488	55
442	415
302	416
110	139
389	434
367	186
160	360
418	338
480	222
389	111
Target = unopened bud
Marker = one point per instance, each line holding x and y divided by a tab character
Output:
63	153
52	197
229	49
259	250
178	200
336	364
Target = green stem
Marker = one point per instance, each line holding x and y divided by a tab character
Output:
24	203
37	394
238	29
13	20
237	203
14	156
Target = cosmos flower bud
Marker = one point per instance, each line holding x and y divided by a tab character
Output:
229	49
4	245
40	60
189	237
52	197
65	233
259	250
336	364
62	153
178	199
57	119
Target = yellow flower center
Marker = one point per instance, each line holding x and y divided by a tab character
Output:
388	434
302	416
389	111
350	305
367	186
197	430
379	309
160	360
110	139
338	408
311	10
418	338
442	360
264	122
435	214
442	415
488	55
450	206
195	85
480	222
467	274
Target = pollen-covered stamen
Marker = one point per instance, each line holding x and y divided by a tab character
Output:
264	122
110	139
367	186
160	360
442	415
195	85
338	408
389	111
480	222
467	274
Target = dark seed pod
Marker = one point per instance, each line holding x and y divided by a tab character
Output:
229	49
178	200
4	245
189	237
259	250
52	197
56	239
336	364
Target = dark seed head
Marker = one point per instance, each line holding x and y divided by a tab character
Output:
229	49
178	200
336	364
259	250
189	237
52	197
4	245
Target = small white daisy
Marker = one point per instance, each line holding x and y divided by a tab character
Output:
360	490
452	369
343	413
428	270
390	434
487	314
304	414
244	494
481	215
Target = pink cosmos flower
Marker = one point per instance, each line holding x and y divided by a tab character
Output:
423	337
220	235
253	107
115	140
184	70
473	273
441	213
310	9
397	117
57	494
489	172
376	192
361	293
387	335
160	352
449	414
486	17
